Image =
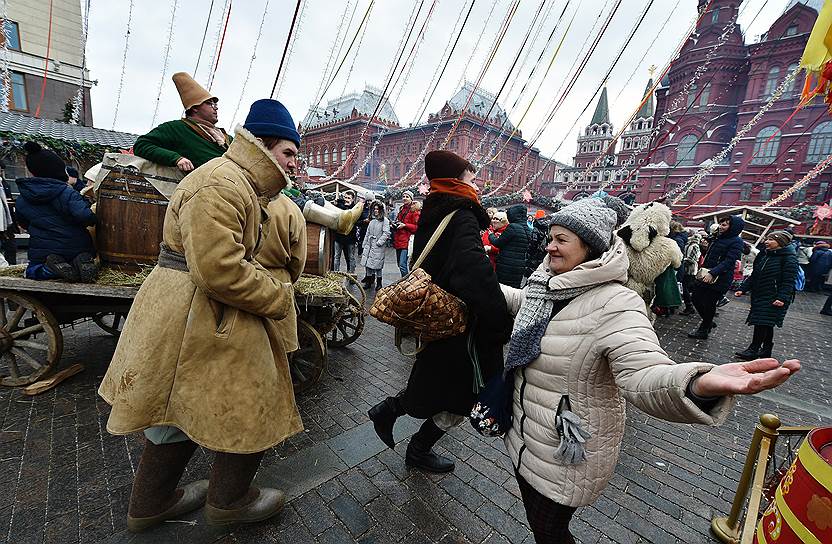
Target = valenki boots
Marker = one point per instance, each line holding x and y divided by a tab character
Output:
155	497
420	453
231	499
384	415
333	217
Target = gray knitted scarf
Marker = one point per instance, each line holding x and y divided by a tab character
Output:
533	318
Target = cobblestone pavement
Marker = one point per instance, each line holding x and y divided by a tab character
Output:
63	479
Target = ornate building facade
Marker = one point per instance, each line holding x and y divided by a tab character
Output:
354	136
702	119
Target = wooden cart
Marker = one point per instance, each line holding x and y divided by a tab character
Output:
34	314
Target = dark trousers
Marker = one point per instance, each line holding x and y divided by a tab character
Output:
763	336
704	300
9	248
827	307
688	281
549	521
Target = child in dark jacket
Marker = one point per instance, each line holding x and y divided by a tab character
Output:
57	218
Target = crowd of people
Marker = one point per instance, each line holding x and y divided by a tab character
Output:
554	338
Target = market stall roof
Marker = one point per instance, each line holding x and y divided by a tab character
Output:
22	124
758	221
339	186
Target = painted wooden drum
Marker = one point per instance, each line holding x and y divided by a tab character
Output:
802	508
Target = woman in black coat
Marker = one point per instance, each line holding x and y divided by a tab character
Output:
513	244
441	388
723	254
771	285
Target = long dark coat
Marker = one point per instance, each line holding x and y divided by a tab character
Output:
442	378
772	279
723	254
513	244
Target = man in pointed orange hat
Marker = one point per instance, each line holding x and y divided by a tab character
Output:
189	142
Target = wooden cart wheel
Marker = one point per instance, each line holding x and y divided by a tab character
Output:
111	323
308	363
30	340
348	328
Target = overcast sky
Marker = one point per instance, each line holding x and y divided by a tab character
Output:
388	22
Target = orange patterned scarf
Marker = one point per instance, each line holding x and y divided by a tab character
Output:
453	186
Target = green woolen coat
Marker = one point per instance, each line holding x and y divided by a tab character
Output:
773	278
173	140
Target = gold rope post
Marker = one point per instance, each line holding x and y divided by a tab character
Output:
727	529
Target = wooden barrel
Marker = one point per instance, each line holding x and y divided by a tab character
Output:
131	214
318	249
802	507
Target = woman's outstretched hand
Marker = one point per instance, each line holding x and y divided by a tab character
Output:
744	378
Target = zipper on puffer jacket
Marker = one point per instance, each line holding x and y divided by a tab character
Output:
522	418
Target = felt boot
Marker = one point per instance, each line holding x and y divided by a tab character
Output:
333	217
155	497
231	499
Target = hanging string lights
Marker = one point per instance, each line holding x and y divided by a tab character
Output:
165	62
250	64
123	63
383	97
5	73
287	53
78	101
215	62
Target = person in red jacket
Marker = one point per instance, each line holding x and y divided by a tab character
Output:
499	222
403	228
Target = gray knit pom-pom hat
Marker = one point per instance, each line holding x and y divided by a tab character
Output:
591	219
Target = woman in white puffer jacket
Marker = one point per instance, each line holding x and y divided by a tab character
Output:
582	344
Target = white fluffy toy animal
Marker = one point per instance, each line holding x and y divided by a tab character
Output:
649	249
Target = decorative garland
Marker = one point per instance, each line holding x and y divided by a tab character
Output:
165	62
77	150
123	63
250	64
681	191
812	174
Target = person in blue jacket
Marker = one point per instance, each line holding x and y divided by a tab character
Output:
715	280
820	263
57	217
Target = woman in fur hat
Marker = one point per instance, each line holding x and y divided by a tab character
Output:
441	386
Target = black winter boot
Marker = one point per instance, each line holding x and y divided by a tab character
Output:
155	497
384	415
58	266
419	451
84	264
751	353
688	311
367	282
765	351
700	333
378	282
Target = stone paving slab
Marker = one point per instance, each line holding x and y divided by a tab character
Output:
63	479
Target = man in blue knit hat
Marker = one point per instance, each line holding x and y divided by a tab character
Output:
214	372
